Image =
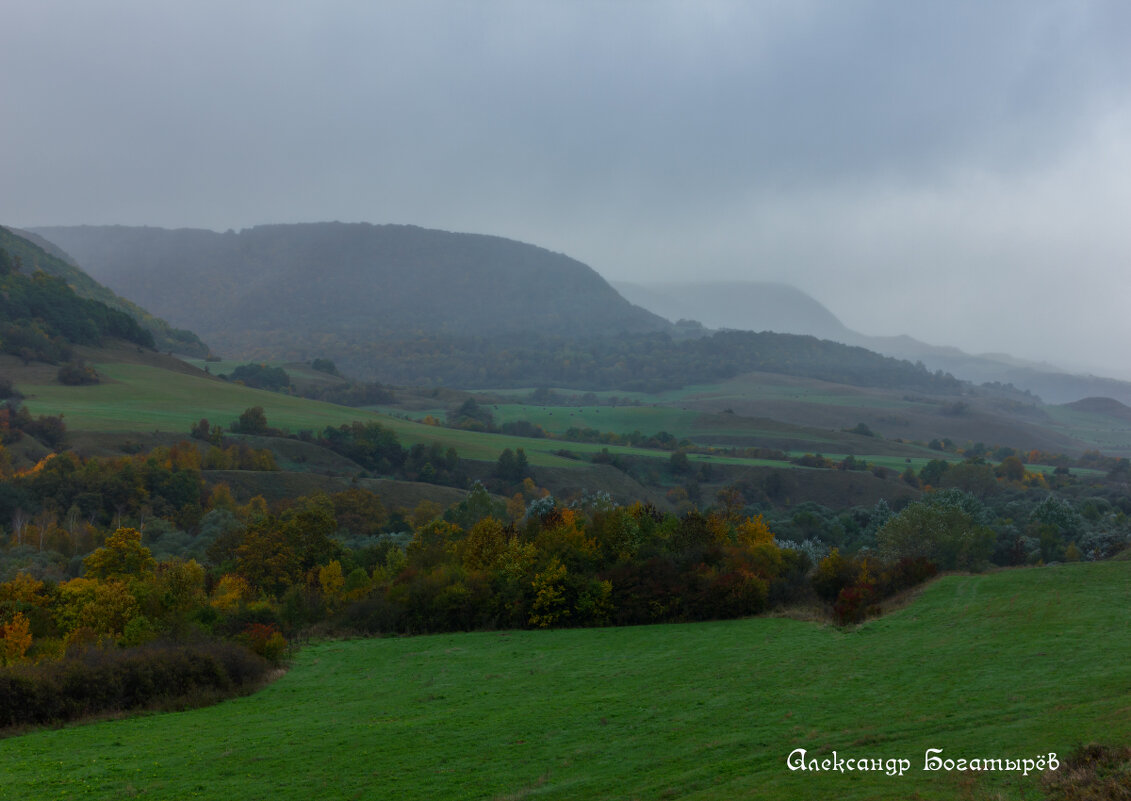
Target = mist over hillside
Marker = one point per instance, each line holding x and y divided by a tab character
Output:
334	289
288	287
742	305
766	306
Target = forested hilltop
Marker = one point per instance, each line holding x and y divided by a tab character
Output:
638	362
293	285
29	254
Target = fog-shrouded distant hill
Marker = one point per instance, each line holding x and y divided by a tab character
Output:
761	306
1105	406
742	305
290	288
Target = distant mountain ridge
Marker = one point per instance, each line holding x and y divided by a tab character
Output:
761	305
295	292
285	287
741	305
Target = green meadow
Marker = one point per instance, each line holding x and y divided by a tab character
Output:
793	389
137	397
617	419
1011	665
1098	430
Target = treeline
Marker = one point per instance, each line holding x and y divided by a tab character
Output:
1018	526
346	562
371	445
473	416
529	563
140	549
478	565
41	317
65	502
121	553
636	362
377	449
16	421
343	393
1089	459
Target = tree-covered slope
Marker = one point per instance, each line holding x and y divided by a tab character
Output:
33	253
290	287
41	317
766	306
638	362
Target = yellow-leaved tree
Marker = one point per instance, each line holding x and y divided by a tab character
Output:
332	581
15	639
549	606
123	556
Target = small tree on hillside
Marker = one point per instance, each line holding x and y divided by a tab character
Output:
512	465
252	421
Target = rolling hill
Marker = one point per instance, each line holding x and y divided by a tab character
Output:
263	277
767	306
297	291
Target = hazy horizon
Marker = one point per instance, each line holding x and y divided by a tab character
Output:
948	170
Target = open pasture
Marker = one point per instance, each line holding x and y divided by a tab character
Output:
1013	664
1110	434
142	398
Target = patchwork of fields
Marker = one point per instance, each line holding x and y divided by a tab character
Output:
138	397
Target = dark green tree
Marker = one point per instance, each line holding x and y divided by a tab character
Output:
252	421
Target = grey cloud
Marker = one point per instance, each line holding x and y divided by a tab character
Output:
875	149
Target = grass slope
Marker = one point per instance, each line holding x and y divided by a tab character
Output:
143	397
1012	665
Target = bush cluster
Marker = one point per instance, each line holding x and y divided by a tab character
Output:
99	681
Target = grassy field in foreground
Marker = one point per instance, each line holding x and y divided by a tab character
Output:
1013	664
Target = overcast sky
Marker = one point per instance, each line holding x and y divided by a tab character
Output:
958	171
